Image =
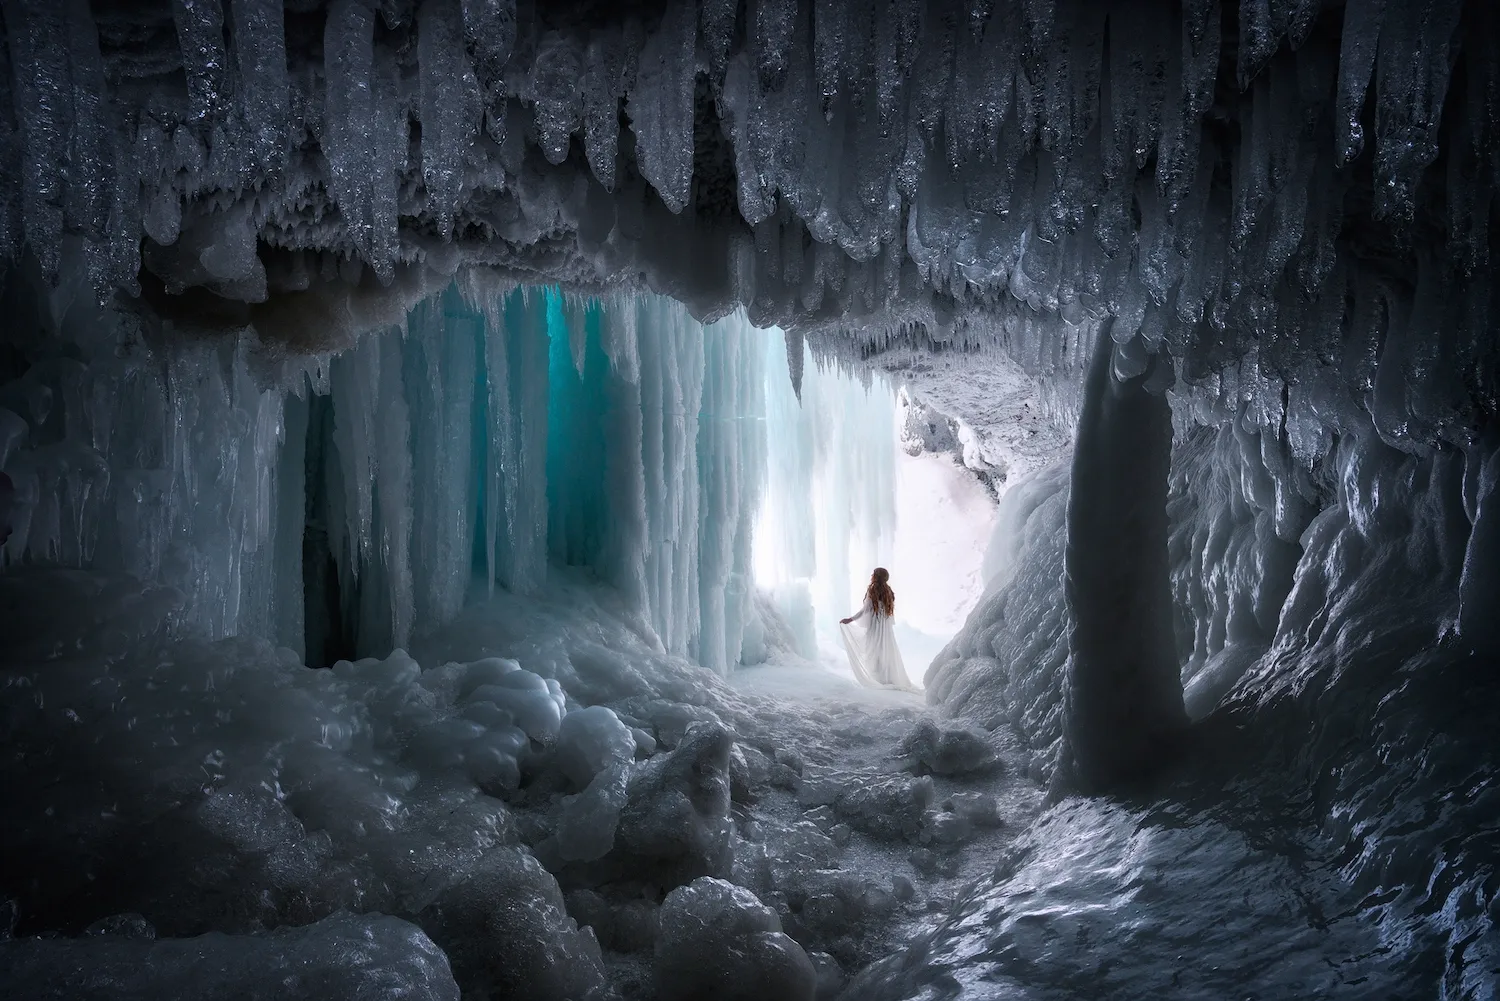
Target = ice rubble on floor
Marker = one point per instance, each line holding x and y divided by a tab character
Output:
530	808
343	957
711	917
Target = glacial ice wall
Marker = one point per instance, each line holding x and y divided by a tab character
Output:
1294	199
339	504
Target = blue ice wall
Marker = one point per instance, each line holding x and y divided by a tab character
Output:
338	505
500	432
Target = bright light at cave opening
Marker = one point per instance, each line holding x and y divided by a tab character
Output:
843	496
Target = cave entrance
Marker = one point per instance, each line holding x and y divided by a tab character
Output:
861	473
498	436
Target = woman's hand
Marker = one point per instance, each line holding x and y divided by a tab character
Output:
845	622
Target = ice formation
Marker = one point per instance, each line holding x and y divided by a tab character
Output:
326	341
494	430
938	174
717	940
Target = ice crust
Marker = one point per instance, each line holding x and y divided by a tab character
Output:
251	793
1315	632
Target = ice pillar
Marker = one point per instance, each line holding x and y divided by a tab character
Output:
1124	694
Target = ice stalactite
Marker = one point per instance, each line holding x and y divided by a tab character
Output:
1239	184
497	431
1123	695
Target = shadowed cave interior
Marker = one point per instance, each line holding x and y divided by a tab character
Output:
439	437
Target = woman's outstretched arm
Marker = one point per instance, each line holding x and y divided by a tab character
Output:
857	615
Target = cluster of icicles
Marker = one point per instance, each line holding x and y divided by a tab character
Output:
1223	183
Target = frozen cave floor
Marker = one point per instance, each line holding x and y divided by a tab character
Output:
540	790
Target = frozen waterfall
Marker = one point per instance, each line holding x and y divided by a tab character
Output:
340	504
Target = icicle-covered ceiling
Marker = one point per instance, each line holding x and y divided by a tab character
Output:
1304	183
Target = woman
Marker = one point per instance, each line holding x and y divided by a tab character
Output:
872	650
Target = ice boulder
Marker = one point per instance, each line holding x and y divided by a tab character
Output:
344	957
494	759
887	808
676	819
627	927
587	822
508	935
958	751
980	808
589	741
717	940
830	975
532	702
489	671
441	744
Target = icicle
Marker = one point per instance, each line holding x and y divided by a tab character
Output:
90	162
259	28
349	126
755	202
450	109
490	29
393	496
829	44
36	30
200	35
355	382
1412	84
603	84
772	24
575	309
389	138
554	87
499	497
440	351
716	30
1357	49
661	105
122	236
11	232
1258	38
795	353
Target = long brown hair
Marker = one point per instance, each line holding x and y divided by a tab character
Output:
879	594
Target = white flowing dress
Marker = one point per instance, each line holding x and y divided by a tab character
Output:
873	655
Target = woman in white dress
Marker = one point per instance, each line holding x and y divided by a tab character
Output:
873	654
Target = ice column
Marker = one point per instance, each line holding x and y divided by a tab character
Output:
1124	694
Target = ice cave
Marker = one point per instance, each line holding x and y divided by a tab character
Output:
440	438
